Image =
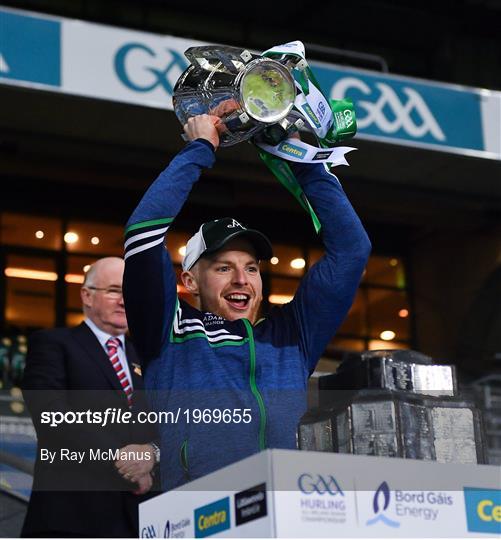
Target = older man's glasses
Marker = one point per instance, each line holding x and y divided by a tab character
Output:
112	292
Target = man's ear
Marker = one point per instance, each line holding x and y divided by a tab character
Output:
190	282
85	295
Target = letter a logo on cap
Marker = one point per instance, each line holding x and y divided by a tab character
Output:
234	223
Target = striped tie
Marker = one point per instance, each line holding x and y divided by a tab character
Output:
112	345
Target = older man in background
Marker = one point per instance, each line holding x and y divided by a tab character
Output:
91	367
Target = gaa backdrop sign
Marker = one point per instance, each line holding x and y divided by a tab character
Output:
103	62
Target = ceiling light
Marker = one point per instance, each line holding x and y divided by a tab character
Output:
94	240
16	392
387	335
393	262
86	268
298	263
274	260
26	273
279	298
71	237
39	234
74	278
182	251
17	407
403	313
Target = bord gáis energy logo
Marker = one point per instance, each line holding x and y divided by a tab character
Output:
142	69
380	504
483	510
176	529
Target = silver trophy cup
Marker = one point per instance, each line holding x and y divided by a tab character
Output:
249	94
395	403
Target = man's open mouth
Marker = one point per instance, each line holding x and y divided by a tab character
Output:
238	300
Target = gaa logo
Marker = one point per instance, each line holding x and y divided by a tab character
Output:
149	532
388	112
348	117
309	483
142	69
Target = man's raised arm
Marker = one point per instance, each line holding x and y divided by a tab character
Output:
149	278
326	293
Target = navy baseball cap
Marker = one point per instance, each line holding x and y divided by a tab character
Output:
213	235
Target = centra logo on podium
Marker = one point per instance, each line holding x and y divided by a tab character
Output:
212	518
483	510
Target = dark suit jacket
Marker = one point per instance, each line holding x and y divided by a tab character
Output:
68	370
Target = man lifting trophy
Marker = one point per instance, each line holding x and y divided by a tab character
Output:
217	353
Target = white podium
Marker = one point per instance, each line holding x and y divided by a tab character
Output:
287	493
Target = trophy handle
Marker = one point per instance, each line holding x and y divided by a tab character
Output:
208	57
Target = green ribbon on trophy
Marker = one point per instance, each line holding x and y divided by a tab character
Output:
266	99
331	121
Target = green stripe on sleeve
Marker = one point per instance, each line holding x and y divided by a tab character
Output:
143	224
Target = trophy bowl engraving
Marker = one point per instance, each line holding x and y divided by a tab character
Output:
267	91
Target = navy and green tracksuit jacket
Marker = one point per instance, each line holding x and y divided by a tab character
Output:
198	360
